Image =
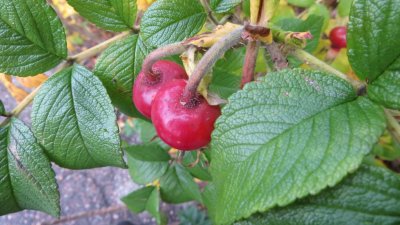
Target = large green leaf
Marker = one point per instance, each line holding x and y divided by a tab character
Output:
26	178
145	172
149	152
373	36
73	119
32	38
386	89
177	186
169	21
291	134
117	67
114	15
370	196
221	6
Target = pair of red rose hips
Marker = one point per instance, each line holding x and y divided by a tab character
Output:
158	97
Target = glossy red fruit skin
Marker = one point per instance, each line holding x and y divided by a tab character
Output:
338	37
144	89
181	127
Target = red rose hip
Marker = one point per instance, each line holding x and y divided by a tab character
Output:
180	126
338	37
147	86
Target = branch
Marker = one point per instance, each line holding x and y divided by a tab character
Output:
277	57
209	12
78	216
250	62
314	62
97	48
207	62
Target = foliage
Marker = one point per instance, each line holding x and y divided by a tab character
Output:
298	145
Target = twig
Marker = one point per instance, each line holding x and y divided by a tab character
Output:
206	63
311	60
250	62
277	57
209	12
78	216
97	49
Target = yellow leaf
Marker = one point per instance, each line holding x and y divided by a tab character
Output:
142	5
17	93
32	82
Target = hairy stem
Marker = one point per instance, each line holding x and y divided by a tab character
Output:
207	62
165	51
250	62
207	7
277	56
97	49
314	62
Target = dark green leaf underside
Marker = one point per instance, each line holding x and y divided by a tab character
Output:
290	135
114	15
169	21
27	180
373	36
32	38
117	67
370	196
73	119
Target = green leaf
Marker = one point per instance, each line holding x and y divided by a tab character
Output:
222	6
386	89
209	199
344	7
177	186
74	121
27	180
293	133
149	152
153	207
387	148
137	201
2	109
117	67
145	172
113	15
193	216
32	38
372	37
370	196
200	170
227	73
302	3
169	21
313	24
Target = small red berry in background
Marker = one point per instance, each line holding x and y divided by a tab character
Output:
180	126
146	86
338	37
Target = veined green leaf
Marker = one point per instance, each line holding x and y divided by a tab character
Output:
74	121
114	15
149	152
370	196
221	6
117	68
32	38
169	21
293	133
27	180
373	37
